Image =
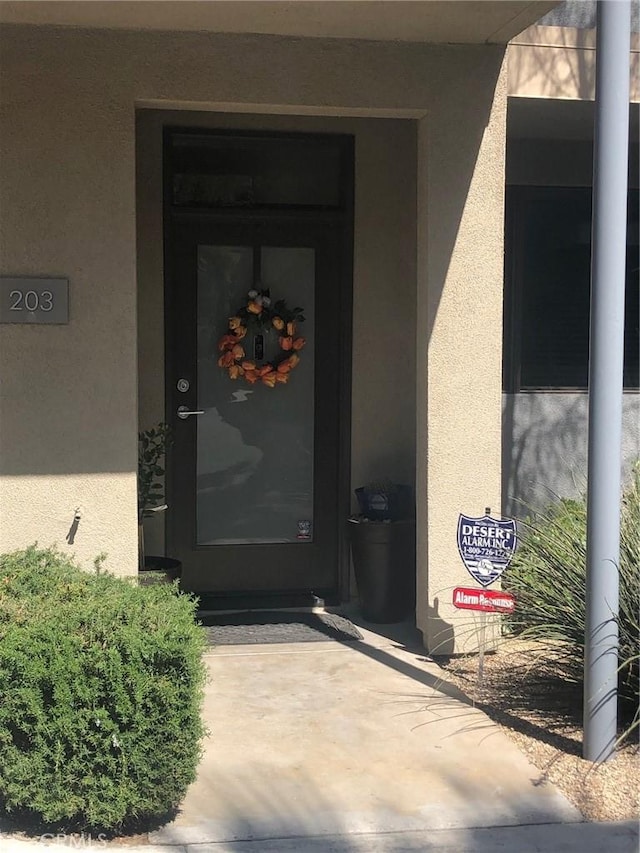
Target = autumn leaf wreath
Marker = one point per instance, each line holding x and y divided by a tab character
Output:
258	314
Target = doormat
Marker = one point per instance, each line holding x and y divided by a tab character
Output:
253	627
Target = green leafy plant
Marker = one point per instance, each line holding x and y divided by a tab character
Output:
548	577
102	685
152	448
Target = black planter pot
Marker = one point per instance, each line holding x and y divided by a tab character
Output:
384	564
382	504
160	570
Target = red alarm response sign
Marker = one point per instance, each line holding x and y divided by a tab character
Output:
486	600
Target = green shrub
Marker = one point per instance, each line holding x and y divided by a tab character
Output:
101	684
548	577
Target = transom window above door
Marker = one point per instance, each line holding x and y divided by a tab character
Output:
231	170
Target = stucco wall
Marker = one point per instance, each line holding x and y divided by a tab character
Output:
68	192
545	447
460	321
68	392
559	62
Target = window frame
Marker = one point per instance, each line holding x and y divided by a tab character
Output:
517	198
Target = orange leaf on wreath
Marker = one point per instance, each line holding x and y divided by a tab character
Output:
234	371
286	343
299	343
278	323
226	342
251	376
284	366
248	365
254	308
265	370
226	360
235	322
237	352
269	379
240	332
291	329
293	360
282	377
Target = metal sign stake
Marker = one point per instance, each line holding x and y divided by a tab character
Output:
481	646
483	631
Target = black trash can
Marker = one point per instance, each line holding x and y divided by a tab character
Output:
384	561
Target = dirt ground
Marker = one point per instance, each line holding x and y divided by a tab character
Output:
542	713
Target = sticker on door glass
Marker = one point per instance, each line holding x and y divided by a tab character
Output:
304	530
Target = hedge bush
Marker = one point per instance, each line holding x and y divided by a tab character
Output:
548	577
101	684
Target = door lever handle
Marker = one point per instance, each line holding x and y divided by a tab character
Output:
184	412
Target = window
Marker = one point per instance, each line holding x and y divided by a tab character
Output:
229	169
547	280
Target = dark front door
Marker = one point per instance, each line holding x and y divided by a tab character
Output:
255	485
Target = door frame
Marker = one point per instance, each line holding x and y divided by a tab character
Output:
344	220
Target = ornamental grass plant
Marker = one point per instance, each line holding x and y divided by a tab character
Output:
101	684
548	577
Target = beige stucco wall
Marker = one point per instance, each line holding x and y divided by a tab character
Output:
68	193
68	392
461	326
560	62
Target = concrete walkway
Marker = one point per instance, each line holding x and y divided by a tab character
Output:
360	747
534	838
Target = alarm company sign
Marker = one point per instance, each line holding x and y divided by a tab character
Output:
486	546
486	600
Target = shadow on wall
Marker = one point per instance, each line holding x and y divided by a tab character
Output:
451	197
544	447
561	70
441	631
450	178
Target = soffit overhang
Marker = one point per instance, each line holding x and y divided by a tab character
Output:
426	21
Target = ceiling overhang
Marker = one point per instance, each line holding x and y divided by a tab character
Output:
427	21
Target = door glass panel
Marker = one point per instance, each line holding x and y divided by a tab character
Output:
254	443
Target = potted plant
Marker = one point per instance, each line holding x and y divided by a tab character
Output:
152	448
383	550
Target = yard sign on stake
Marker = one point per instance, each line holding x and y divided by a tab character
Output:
486	546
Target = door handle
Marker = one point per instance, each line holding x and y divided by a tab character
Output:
184	412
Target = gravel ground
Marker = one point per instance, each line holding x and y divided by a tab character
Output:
521	691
